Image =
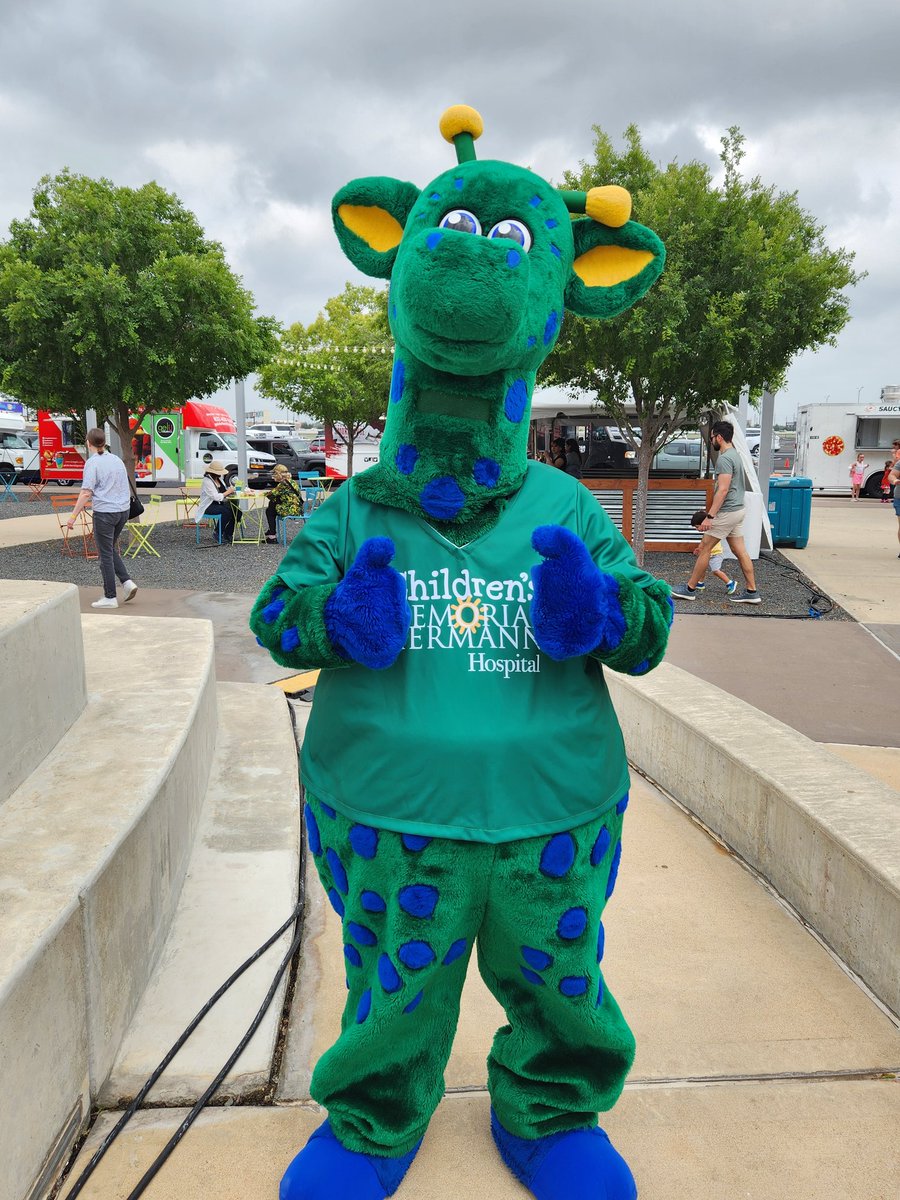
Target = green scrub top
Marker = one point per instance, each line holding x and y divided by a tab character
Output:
473	733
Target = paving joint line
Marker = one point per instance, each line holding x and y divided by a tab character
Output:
851	1075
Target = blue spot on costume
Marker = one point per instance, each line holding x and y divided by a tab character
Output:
416	886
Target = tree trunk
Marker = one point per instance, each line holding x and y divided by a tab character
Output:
121	422
350	440
645	458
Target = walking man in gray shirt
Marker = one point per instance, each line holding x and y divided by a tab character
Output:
105	488
725	520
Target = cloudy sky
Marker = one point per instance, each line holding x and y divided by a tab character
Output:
256	113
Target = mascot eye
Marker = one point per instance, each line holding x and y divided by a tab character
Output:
514	231
462	220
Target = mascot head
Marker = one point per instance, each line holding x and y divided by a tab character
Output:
482	263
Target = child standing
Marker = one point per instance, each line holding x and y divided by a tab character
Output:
857	471
715	558
886	487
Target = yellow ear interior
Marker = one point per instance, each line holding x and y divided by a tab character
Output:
605	266
374	225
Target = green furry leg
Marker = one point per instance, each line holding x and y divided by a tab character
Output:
384	1077
567	1049
411	909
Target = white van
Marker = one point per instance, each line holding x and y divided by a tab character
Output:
17	455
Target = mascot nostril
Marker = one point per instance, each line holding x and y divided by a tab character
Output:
464	772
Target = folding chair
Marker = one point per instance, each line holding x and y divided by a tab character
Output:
62	507
8	480
281	525
208	519
190	498
36	486
141	530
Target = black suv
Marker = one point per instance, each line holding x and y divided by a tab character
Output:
291	452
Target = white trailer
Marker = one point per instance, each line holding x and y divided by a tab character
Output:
829	437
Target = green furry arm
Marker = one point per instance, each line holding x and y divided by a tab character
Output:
291	625
648	618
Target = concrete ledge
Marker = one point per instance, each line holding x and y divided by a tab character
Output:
242	883
94	847
823	833
42	672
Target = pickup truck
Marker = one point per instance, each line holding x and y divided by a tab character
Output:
291	452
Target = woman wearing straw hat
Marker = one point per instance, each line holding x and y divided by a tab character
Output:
215	499
285	500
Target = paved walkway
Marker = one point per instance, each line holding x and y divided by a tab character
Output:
852	554
762	1069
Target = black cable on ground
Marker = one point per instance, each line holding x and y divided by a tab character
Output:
213	1000
816	599
161	1159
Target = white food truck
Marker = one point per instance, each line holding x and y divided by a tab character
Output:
168	447
17	455
829	437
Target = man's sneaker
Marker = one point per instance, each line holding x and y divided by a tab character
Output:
103	602
129	587
746	597
684	592
731	587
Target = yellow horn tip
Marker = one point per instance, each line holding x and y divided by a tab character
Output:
461	118
609	205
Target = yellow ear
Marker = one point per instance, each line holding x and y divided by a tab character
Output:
375	226
605	266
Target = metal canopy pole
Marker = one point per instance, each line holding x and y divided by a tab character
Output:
240	421
764	463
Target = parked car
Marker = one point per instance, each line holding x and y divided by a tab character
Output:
293	453
274	430
681	454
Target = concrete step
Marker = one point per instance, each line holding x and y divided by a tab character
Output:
241	885
42	666
94	846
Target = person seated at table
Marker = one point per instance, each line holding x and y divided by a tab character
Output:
216	500
285	499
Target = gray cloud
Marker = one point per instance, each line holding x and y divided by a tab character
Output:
255	115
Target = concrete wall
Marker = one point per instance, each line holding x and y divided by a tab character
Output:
823	833
41	673
94	847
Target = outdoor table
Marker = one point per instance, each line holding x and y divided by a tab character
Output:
251	530
8	481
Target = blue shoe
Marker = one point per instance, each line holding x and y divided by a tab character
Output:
580	1164
731	587
326	1170
698	587
684	592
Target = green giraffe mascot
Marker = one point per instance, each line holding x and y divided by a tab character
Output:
464	771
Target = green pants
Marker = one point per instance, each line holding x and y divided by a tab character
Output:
412	910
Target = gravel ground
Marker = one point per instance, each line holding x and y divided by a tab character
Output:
182	563
208	567
26	507
785	591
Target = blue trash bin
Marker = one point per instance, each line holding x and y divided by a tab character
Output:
790	505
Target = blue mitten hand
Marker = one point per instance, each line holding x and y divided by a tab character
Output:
576	607
367	616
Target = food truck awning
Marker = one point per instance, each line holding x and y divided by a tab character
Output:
207	416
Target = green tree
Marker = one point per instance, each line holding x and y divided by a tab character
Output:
749	283
338	369
112	299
